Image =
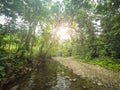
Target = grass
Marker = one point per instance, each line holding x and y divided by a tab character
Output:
107	62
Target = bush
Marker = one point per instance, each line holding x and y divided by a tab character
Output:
107	62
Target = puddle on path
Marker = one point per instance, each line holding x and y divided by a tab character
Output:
53	76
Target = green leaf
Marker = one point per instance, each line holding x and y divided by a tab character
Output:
2	74
1	68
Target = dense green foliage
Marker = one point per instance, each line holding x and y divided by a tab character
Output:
98	27
25	34
107	62
111	27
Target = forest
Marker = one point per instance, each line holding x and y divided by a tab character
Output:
33	30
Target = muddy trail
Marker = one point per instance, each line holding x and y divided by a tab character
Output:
52	75
94	73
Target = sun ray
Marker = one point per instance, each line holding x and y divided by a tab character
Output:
63	33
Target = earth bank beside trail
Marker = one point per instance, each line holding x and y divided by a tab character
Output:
95	73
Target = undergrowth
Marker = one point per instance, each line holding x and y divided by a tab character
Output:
107	62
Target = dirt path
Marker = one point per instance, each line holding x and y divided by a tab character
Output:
95	73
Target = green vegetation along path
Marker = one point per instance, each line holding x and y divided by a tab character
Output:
95	73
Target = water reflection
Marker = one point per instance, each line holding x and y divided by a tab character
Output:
30	84
52	76
62	83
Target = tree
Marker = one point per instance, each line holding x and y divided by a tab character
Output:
80	12
109	12
18	38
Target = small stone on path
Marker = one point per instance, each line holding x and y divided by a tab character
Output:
74	79
14	88
99	84
67	77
